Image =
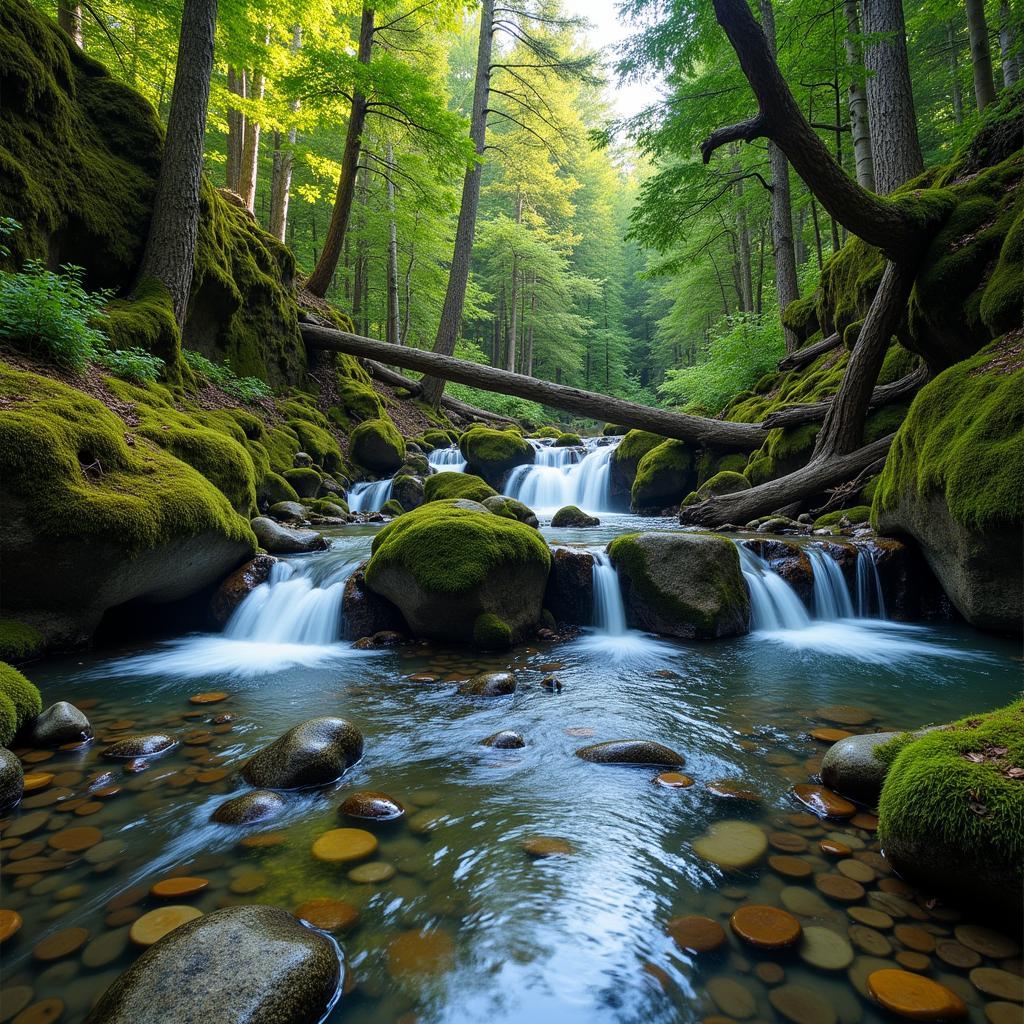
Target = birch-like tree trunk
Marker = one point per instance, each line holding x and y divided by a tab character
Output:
981	54
860	125
69	17
237	85
394	331
284	161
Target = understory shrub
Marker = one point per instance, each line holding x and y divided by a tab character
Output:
246	389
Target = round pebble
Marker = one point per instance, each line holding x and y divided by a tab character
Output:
10	923
27	824
913	996
954	953
830	735
915	937
328	915
801	820
214	697
36	780
420	952
61	944
802	1005
342	845
1003	1013
803	902
546	846
247	881
14	999
834	848
673	780
46	1011
844	714
770	973
367	805
733	845
374	872
998	984
790	867
839	887
823	802
263	840
985	941
765	927
869	941
912	961
732	789
75	840
732	998
857	870
866	821
174	888
788	842
825	949
157	923
105	949
696	934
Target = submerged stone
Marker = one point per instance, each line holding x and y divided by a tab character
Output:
732	845
489	684
240	965
148	744
313	753
258	805
371	806
631	752
573	517
507	739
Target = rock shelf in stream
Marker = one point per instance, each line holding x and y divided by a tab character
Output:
314	753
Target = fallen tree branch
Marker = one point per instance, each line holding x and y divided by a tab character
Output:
472	412
815	412
803	356
682	427
814	478
838	496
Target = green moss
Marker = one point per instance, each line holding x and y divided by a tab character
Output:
1002	302
494	451
964	437
568	441
663	475
437	439
867	492
8	720
18	641
393	508
897	364
726	482
332	506
304	481
614	430
449	549
281	444
849	281
377	446
79	471
274	488
21	693
318	442
732	463
510	508
801	317
357	401
885	421
759	470
444	486
857	514
147	321
635	445
491	633
933	792
553	433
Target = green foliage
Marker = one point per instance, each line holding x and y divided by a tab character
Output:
725	482
18	640
445	486
131	364
247	389
8	720
21	693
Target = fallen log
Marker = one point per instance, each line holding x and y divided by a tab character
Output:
803	356
682	427
393	378
815	412
815	477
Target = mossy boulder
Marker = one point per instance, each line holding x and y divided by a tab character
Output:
437	439
392	508
491	633
510	508
568	441
445	486
408	491
682	584
18	641
21	693
446	564
857	514
377	446
626	458
274	488
492	453
305	482
572	516
356	402
546	433
8	720
951	814
664	476
725	482
954	481
120	518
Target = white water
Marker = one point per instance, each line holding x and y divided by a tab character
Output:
869	586
773	602
559	477
609	611
447	460
831	595
369	497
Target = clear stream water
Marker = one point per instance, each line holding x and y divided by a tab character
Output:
567	940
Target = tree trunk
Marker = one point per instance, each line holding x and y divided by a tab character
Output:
69	17
807	354
954	74
394	330
817	235
284	160
237	85
458	276
843	429
981	54
786	285
529	334
860	125
1008	45
799	245
815	477
746	275
250	165
171	243
320	280
718	433
895	149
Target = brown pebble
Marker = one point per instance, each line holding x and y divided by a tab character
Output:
263	840
788	842
329	915
913	961
823	802
37	756
765	927
46	1011
871	917
173	888
839	887
801	820
1003	1013
790	867
10	923
61	944
951	952
998	984
214	697
914	937
87	808
834	848
673	780
36	780
75	840
546	846
770	973
696	934
830	735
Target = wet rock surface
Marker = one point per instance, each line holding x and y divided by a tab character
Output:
570	591
851	768
365	613
313	753
148	744
638	752
11	779
282	540
507	739
489	684
258	805
59	723
368	805
238	586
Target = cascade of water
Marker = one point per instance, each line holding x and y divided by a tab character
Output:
870	600
369	497
559	477
447	460
831	595
773	602
609	611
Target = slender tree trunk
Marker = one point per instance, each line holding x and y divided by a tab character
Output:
860	126
895	148
1008	45
513	320
249	168
408	290
170	251
981	54
799	245
237	85
69	17
458	276
954	74
529	335
284	160
320	280
786	285
394	331
817	235
743	245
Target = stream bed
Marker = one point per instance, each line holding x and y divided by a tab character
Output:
466	926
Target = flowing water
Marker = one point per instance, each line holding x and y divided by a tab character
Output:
499	936
565	476
447	460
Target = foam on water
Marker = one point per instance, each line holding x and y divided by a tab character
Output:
565	476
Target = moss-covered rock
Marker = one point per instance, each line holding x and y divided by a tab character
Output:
546	433
627	455
274	488
21	693
356	402
392	508
491	633
856	514
954	481
408	491
682	584
438	439
664	476
305	482
443	486
18	641
492	453
725	482
120	518
8	720
951	815
510	508
377	446
568	441
572	516
444	566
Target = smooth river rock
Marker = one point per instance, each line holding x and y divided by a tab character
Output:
507	739
257	805
367	805
851	768
282	540
314	753
489	684
238	586
240	965
143	744
12	778
639	752
59	723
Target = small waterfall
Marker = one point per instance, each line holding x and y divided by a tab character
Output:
560	477
369	497
831	595
773	602
447	460
609	611
870	600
